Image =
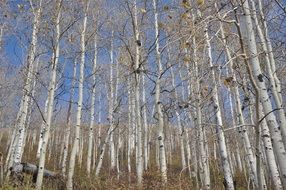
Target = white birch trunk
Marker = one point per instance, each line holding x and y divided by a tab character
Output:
278	145
195	148
270	55
139	152
68	125
102	151
75	146
111	109
133	119
116	103
203	160
181	128
20	124
51	94
242	130
145	124
119	146
130	128
42	129
92	110
9	160
238	159
160	133
28	122
275	84
99	121
95	153
270	157
207	151
188	148
1	36
80	149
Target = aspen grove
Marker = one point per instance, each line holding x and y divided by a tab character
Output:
143	94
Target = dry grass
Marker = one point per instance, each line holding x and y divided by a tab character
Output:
109	179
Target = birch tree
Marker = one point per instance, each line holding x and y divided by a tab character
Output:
160	133
75	146
274	81
92	117
191	92
51	94
241	121
18	141
139	154
68	127
265	100
219	130
111	106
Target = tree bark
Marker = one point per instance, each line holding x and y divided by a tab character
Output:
92	109
75	146
139	152
51	94
17	147
242	130
111	109
219	127
68	124
278	145
160	133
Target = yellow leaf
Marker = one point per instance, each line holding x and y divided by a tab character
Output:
185	15
200	2
227	81
160	25
186	4
143	10
187	59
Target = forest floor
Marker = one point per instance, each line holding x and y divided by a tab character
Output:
109	180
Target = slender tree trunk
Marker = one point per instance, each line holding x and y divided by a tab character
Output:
116	103
11	149
30	108
99	121
75	146
203	160
118	148
178	117
68	124
1	36
17	148
271	57
238	158
51	94
242	130
278	145
102	151
145	124
42	129
188	148
80	150
219	130
111	109
139	152
160	133
270	157
130	128
274	81
91	125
